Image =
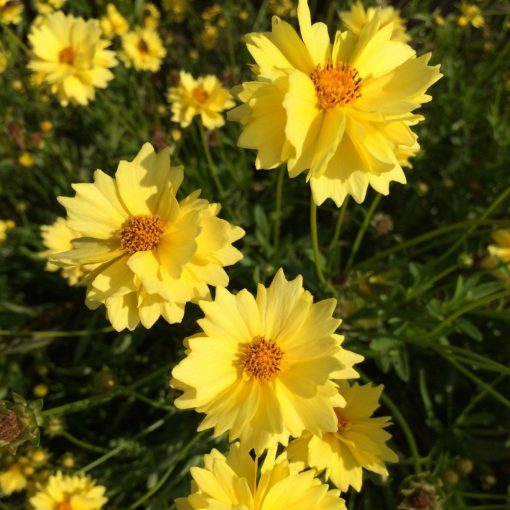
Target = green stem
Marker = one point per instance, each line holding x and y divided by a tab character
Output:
147	400
481	495
315	241
167	473
82	444
336	261
362	230
56	334
212	166
278	209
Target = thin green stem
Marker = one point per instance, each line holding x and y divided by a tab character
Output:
278	209
336	261
140	501
315	241
362	230
482	495
147	400
56	334
82	444
212	166
488	507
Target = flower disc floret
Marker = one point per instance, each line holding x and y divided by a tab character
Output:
141	233
262	359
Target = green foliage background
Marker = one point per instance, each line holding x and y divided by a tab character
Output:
418	302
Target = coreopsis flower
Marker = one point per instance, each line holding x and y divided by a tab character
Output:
263	367
11	11
143	49
69	492
281	7
5	225
357	17
204	96
25	159
470	15
113	23
151	16
176	9
234	482
12	480
48	6
154	254
342	111
358	443
499	255
73	57
57	238
419	495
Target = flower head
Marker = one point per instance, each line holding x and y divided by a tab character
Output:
204	96
499	255
262	367
11	11
47	6
57	238
470	15
72	56
12	480
234	482
143	49
344	111
357	444
63	492
5	225
154	253
357	17
113	23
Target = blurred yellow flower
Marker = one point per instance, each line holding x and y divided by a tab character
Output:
235	482
113	23
73	56
470	15
359	442
342	111
281	7
11	11
75	492
12	480
25	159
3	60
143	49
357	17
48	6
151	16
499	255
154	253
46	126
204	96
262	367
57	238
177	9
5	225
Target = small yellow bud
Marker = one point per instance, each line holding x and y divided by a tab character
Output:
26	160
450	477
41	390
46	126
17	85
464	466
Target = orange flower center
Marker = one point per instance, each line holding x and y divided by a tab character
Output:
336	85
67	56
262	359
143	47
341	419
141	233
65	505
200	94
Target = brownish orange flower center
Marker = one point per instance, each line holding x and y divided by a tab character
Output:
143	47
341	419
9	427
65	505
200	94
262	359
336	85
141	233
67	56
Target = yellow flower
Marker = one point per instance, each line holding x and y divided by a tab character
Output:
204	96
11	11
25	159
234	482
5	225
154	253
143	49
72	55
343	111
470	14
46	126
281	7
4	60
357	17
63	492
263	366
48	6
57	238
177	9
151	16
12	480
359	442
499	255
113	23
